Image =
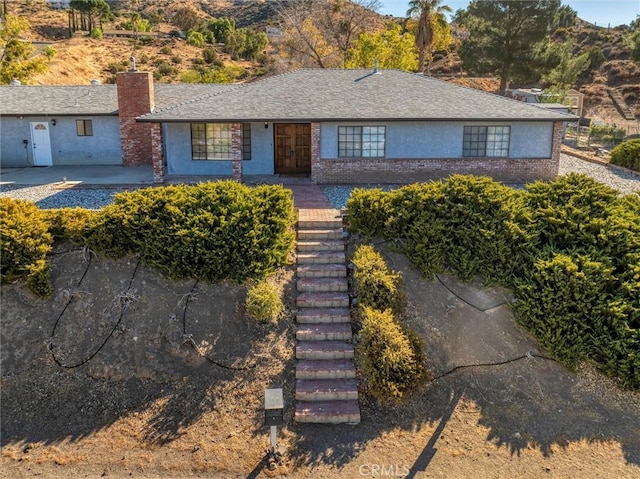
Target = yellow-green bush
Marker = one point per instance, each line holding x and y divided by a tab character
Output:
264	301
570	248
390	357
627	154
211	231
71	223
368	211
24	243
376	286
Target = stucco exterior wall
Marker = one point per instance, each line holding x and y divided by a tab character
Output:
67	148
178	153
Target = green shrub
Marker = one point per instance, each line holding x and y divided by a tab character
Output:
210	56
474	225
115	67
486	228
96	33
49	52
391	359
577	215
573	306
166	50
195	39
264	302
166	69
71	223
376	286
176	59
627	154
570	249
25	242
212	231
368	211
39	278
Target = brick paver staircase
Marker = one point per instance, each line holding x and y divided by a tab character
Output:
326	389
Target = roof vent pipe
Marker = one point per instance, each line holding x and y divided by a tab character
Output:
15	82
95	82
132	61
375	67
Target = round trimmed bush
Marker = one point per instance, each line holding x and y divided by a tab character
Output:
627	154
391	357
264	302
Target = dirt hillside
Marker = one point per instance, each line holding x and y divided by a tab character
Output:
124	373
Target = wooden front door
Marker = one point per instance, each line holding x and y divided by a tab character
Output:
293	148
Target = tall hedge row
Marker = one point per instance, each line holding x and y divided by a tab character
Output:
570	249
212	231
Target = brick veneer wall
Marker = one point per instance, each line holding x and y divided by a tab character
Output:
236	148
316	166
157	155
556	146
387	170
135	98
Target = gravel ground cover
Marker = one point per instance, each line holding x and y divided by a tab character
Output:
50	196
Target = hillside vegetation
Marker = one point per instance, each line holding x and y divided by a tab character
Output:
222	41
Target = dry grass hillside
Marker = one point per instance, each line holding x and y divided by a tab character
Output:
80	59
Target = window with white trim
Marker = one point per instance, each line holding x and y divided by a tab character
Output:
486	141
361	141
211	141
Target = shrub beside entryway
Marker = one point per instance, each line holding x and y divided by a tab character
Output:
390	356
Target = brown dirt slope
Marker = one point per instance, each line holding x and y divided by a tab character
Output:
173	377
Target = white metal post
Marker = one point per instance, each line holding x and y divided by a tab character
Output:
273	438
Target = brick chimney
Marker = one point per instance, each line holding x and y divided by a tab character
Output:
135	98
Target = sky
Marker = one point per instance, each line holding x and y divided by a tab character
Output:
600	12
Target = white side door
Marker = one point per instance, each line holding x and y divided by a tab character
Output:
41	144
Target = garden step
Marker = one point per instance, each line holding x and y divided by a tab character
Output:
321	257
323	315
325	369
324	350
322	300
330	412
326	389
320	224
324	332
335	233
322	284
321	245
322	271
